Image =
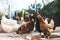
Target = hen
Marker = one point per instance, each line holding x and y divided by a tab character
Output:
9	25
28	26
17	18
44	26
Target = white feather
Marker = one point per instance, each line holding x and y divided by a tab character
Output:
9	25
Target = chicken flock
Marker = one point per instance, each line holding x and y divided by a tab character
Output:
9	25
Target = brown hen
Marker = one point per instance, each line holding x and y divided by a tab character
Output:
27	27
45	27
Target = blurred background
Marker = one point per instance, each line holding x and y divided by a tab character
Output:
47	8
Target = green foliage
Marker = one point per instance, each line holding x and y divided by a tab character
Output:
35	7
52	10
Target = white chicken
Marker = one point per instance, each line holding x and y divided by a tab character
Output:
9	25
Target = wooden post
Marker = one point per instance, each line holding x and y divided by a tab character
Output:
22	18
36	5
35	8
43	2
23	13
8	11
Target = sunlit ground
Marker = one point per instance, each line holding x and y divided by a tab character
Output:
13	36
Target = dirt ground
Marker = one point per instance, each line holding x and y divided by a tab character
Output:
13	36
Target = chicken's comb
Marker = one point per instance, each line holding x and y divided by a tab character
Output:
37	13
38	16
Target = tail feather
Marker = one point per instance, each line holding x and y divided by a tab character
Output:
51	24
46	21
